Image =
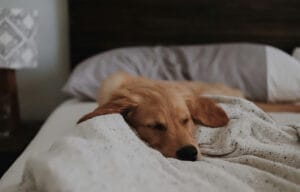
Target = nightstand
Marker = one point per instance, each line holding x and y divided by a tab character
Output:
11	147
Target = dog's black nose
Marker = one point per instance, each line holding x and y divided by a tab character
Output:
187	153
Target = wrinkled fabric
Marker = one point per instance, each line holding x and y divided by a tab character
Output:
251	153
239	65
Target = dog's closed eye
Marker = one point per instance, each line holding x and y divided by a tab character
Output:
157	126
185	121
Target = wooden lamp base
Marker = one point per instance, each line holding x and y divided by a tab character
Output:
9	105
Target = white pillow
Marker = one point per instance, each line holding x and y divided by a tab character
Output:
296	53
262	72
283	76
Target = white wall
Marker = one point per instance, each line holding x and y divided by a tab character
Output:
39	88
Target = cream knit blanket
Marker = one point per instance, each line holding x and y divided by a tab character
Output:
252	153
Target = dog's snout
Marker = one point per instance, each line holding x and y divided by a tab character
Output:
187	153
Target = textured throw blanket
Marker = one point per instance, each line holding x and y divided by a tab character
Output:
252	153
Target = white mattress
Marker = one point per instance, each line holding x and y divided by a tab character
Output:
62	120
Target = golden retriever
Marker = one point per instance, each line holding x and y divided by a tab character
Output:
163	113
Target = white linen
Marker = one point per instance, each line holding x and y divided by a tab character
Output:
103	154
286	118
61	121
296	53
239	65
261	72
283	79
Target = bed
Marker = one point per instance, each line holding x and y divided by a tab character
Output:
148	23
58	124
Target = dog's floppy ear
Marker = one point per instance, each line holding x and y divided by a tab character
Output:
206	112
117	104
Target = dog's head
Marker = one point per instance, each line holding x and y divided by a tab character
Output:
164	119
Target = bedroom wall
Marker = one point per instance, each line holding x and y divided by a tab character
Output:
39	88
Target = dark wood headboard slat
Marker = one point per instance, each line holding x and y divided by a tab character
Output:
100	25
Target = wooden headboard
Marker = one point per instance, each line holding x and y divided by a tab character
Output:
99	25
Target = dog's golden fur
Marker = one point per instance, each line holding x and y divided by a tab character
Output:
163	113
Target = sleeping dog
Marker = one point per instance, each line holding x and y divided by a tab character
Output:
163	113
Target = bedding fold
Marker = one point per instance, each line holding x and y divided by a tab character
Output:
252	153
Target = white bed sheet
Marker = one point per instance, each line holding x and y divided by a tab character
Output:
57	125
62	120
